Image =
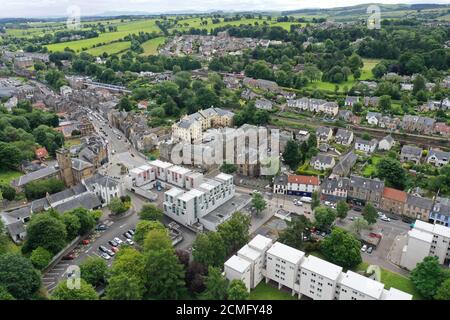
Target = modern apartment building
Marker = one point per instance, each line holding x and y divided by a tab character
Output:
305	275
426	239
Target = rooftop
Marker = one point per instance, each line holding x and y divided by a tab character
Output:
394	194
420	235
303	179
362	284
238	264
249	252
322	267
260	242
285	252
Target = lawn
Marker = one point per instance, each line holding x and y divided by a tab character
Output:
371	169
111	48
151	46
366	72
7	176
71	142
264	291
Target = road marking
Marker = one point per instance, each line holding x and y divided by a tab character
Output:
123	225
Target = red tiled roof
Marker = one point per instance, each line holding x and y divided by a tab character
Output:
394	194
313	180
41	152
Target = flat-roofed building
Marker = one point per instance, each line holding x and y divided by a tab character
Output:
176	176
353	286
160	168
240	269
417	248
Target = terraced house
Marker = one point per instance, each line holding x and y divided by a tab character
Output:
362	190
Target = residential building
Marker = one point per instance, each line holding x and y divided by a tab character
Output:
176	176
371	101
237	268
302	185
353	286
440	213
350	101
41	174
335	189
362	190
366	146
263	104
344	137
419	124
411	154
373	118
324	134
322	162
438	158
386	143
418	207
280	184
393	200
161	169
105	187
345	164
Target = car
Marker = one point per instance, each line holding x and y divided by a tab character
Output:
69	256
101	227
131	231
369	250
380	214
130	242
118	240
103	249
386	219
105	256
110	252
127	235
358	209
85	242
364	248
113	243
352	218
70	274
114	249
327	203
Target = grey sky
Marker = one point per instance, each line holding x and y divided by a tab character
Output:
37	8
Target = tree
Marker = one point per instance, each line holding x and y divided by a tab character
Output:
228	168
45	231
370	213
8	192
427	276
238	290
39	189
392	171
40	258
195	277
72	224
5	295
216	285
209	249
84	292
385	103
324	218
358	225
143	228
342	209
151	212
315	200
18	276
291	154
443	292
297	229
164	275
94	270
117	206
130	262
258	202
87	220
124	287
234	232
341	248
157	239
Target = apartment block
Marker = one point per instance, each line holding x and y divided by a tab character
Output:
240	269
302	185
353	286
142	175
176	176
426	239
161	169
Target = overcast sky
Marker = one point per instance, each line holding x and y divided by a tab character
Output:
40	8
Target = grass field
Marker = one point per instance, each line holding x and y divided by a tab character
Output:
111	48
369	64
7	176
371	169
123	30
264	291
151	46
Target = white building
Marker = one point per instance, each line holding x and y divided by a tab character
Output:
386	143
318	278
426	239
176	176
240	269
353	286
142	175
161	169
366	146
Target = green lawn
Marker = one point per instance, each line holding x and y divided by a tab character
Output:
264	291
151	46
71	142
7	176
370	169
110	48
366	72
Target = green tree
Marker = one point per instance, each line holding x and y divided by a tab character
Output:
124	287
392	171
164	275
258	202
238	290
130	262
64	292
151	212
324	218
143	228
341	248
157	239
443	292
342	209
315	200
291	154
427	277
216	285
45	231
8	192
235	231
209	249
87	220
40	258
358	225
5	295
228	168
298	228
18	276
94	270
117	206
369	213
39	189
385	103
72	224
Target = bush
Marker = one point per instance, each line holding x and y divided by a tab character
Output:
40	258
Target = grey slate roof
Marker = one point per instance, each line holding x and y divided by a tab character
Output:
88	201
323	158
343	135
420	202
411	150
345	164
280	180
35	175
366	183
439	154
329	185
79	164
104	181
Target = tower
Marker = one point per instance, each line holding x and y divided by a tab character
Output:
65	166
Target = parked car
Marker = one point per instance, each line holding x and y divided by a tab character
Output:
101	227
358	209
105	256
114	249
352	218
130	242
85	242
127	235
380	214
369	250
131	231
386	219
110	252
118	240
113	243
69	256
103	249
364	248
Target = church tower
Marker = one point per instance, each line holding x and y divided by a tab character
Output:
65	166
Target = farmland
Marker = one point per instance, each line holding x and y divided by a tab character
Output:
151	46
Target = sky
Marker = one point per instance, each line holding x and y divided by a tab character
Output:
47	8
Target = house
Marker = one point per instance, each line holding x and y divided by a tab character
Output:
389	123
334	190
41	153
362	190
330	108
345	115
367	146
386	143
302	185
345	165
411	154
105	187
344	137
438	158
417	207
442	128
14	222
419	124
350	101
373	118
42	174
324	134
280	184
237	268
393	200
371	101
263	104
440	213
322	162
